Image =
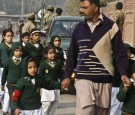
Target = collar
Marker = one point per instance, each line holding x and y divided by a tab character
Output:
23	44
99	19
9	45
15	58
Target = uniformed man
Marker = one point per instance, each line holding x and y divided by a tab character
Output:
28	26
119	15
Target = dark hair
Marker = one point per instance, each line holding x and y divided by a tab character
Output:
35	30
47	48
25	34
96	2
5	31
31	59
119	5
59	11
53	38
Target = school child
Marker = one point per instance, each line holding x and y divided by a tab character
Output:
126	93
34	48
12	69
51	69
5	50
25	38
26	98
56	42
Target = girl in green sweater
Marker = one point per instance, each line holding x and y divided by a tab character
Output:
51	69
26	97
126	93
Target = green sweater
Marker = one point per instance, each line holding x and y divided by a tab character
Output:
51	73
30	93
4	54
11	73
31	50
128	99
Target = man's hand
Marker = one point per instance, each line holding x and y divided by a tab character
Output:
17	111
125	80
65	84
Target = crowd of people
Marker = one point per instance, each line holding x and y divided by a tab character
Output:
33	74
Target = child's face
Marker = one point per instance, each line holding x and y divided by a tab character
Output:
129	53
18	53
25	39
36	37
32	68
57	42
51	54
8	37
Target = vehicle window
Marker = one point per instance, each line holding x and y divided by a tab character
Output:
63	28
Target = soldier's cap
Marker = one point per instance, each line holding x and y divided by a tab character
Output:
119	5
50	7
132	49
35	30
31	15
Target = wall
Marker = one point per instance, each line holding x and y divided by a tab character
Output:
129	24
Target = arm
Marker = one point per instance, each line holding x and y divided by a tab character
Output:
119	52
49	85
71	61
16	96
4	75
42	69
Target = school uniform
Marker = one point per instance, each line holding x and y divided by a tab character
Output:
5	50
27	93
52	72
128	107
34	50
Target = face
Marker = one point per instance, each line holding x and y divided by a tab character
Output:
18	53
57	42
88	10
36	37
51	54
8	37
32	68
25	39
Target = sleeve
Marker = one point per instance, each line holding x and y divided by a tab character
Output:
16	95
119	50
61	72
4	75
49	85
121	96
72	56
41	69
133	68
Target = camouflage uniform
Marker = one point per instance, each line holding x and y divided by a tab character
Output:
119	19
28	26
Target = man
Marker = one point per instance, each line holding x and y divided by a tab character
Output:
58	11
119	16
20	29
28	26
94	43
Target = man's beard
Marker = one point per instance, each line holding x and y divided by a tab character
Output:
89	17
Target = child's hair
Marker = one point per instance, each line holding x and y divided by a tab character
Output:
5	31
25	34
53	38
31	59
46	50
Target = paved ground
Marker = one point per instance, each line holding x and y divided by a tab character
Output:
66	105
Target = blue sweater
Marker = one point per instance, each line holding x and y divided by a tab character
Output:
90	55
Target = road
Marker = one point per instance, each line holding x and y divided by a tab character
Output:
66	105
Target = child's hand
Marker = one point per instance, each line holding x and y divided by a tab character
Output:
17	111
126	80
3	88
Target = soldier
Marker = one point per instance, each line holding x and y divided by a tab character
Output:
49	13
119	16
28	26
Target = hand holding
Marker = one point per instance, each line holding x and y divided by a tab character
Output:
17	111
65	84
